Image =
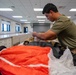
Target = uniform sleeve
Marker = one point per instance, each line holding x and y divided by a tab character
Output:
59	26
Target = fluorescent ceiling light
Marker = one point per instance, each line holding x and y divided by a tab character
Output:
41	20
17	16
23	20
27	22
69	16
6	9
38	9
74	9
41	16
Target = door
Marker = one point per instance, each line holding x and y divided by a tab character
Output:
25	29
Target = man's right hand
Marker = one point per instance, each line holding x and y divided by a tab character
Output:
34	34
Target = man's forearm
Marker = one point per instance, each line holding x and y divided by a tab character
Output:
41	36
45	36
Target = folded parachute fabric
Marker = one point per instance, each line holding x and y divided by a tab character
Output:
24	60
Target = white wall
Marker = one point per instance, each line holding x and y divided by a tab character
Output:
12	25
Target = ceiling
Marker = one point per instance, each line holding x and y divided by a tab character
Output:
25	8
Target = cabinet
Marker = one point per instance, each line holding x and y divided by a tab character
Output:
15	40
24	37
11	40
6	42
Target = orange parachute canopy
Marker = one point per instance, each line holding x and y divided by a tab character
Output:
24	60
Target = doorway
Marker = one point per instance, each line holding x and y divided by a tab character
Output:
25	29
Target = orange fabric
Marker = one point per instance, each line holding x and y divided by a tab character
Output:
24	56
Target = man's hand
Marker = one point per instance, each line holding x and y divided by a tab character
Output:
34	34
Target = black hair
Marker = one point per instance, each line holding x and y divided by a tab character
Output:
2	47
26	43
49	7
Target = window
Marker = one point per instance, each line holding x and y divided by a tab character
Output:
8	27
17	28
5	27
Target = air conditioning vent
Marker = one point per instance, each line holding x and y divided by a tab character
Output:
61	7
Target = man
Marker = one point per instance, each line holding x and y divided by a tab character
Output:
63	28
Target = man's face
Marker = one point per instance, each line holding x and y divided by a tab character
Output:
49	16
